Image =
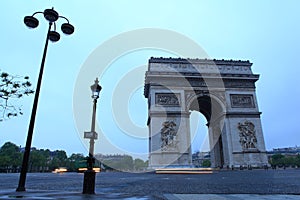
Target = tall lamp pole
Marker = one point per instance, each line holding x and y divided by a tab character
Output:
51	16
90	174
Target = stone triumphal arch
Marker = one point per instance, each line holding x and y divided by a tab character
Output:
223	91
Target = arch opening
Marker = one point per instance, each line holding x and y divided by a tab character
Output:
199	139
212	111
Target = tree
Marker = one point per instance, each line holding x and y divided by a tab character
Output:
75	161
4	163
45	154
289	161
59	159
36	161
10	157
12	88
277	160
297	160
139	164
116	162
206	163
126	163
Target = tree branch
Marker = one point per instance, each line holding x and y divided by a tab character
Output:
12	87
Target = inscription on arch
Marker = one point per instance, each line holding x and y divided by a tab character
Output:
167	99
242	101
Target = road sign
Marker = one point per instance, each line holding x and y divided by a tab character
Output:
91	135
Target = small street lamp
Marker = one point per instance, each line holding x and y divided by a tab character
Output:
90	174
30	21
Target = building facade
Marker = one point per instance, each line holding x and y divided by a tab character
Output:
223	91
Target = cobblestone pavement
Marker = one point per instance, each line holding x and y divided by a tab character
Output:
230	197
161	186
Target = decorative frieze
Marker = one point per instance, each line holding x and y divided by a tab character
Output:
242	101
200	65
197	82
239	84
221	82
167	99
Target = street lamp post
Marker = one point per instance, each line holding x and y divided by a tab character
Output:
90	174
51	16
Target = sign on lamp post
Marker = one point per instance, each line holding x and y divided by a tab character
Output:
90	135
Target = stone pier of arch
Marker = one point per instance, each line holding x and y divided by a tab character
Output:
223	91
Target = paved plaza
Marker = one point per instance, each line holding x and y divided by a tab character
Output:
246	184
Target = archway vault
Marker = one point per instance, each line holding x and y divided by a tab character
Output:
223	91
210	105
213	109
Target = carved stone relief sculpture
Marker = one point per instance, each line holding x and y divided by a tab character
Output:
168	136
247	135
167	99
242	101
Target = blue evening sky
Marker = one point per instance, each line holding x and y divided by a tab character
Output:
265	32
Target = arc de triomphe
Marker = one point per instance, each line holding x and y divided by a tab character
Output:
223	91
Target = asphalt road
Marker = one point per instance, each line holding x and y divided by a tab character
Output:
156	185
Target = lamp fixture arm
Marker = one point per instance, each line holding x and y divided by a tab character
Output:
64	18
36	13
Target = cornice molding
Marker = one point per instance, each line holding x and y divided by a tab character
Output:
200	61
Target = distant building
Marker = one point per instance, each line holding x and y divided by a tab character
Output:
114	157
199	157
22	149
287	151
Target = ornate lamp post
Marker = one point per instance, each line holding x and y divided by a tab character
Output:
90	174
51	16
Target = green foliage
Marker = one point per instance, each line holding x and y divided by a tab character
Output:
206	163
58	159
44	160
36	161
122	163
280	160
10	157
297	160
289	161
39	160
277	160
139	164
12	88
75	161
